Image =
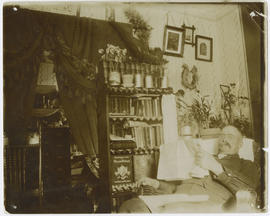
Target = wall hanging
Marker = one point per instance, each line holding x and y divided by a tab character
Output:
173	41
189	34
204	48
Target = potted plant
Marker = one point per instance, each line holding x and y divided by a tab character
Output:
115	56
141	29
200	111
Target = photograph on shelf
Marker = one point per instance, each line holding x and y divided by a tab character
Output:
189	34
204	48
173	41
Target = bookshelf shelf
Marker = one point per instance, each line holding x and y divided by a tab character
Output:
134	118
135	151
134	90
130	128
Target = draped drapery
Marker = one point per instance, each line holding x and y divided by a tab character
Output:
77	95
76	48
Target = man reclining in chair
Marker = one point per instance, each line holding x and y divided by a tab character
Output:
228	174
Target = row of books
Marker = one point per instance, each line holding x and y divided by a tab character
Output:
143	106
117	129
148	136
133	150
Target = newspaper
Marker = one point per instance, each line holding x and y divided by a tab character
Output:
177	159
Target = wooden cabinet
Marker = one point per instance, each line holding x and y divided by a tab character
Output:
130	129
56	172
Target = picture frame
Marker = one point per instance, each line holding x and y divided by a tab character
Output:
189	34
203	48
173	41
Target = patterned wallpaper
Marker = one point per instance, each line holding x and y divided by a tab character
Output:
208	72
228	65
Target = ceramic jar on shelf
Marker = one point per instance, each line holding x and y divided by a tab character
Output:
127	80
127	74
114	74
148	81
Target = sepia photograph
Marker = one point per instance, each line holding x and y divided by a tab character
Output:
174	41
189	34
134	107
204	48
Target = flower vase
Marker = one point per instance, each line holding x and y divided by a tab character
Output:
128	80
114	78
164	82
148	81
138	80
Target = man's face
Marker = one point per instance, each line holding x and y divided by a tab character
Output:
229	141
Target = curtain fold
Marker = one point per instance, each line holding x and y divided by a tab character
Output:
80	108
76	80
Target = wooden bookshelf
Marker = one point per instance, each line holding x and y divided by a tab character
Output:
134	114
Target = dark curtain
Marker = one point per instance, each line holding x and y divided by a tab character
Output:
22	41
253	33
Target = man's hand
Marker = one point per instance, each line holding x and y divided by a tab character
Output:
208	162
145	181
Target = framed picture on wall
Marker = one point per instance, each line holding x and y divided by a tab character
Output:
173	41
189	34
203	48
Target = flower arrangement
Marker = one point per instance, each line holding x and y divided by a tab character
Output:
114	53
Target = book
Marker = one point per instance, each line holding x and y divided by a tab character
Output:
147	107
122	166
